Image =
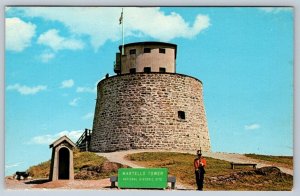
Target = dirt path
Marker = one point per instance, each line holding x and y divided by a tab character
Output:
240	158
12	184
119	157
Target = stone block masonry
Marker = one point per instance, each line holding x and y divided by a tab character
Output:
149	111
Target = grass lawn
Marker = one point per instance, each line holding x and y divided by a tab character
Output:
181	166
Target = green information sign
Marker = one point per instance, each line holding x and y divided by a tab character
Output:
142	177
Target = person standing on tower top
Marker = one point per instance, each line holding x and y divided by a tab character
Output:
199	164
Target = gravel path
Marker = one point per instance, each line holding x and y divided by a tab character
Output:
12	184
240	158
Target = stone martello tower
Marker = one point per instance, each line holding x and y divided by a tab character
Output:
147	105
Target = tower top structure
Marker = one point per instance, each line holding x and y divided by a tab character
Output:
146	57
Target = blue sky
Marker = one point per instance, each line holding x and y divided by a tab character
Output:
54	58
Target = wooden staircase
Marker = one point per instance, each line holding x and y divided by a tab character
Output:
83	143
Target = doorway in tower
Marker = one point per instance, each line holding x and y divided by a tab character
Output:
64	164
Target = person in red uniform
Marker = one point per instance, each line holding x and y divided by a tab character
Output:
199	164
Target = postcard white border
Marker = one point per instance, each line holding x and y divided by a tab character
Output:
294	3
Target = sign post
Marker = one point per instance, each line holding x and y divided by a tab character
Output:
143	178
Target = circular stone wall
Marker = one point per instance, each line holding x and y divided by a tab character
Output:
140	111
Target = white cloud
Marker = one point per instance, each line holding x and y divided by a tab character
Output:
74	102
18	34
89	115
48	139
252	126
275	10
101	24
148	20
26	90
67	83
13	165
53	40
47	56
86	90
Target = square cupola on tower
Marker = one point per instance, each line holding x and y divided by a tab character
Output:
154	56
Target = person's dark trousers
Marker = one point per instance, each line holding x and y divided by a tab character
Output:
199	179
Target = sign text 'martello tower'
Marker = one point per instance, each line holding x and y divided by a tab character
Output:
147	105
